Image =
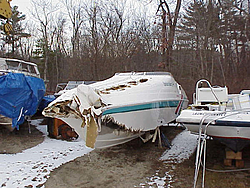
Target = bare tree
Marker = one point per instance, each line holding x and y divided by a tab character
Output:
43	12
60	45
27	42
169	18
75	9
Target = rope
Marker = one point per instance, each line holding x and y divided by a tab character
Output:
20	115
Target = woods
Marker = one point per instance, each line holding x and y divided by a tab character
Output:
91	40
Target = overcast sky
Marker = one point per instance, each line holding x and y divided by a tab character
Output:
23	5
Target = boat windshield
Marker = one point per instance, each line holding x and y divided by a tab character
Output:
13	65
73	84
157	73
28	68
24	67
19	66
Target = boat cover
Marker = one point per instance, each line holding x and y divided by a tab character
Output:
45	102
20	96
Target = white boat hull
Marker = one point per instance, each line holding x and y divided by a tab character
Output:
231	128
217	123
106	138
137	102
7	122
143	119
222	131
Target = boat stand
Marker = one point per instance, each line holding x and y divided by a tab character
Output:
162	139
233	159
59	129
28	119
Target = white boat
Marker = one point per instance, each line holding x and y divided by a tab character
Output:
21	91
222	116
135	102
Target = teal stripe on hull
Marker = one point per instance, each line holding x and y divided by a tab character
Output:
124	109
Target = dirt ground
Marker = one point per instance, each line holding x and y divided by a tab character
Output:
16	141
133	164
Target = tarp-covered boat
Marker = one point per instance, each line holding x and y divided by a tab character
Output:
135	102
21	90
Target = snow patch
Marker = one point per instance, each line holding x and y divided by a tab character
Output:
33	166
183	145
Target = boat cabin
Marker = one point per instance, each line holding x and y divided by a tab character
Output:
18	66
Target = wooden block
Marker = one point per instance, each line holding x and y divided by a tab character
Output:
228	162
57	124
232	155
239	163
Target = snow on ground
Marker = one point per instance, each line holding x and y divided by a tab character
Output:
183	145
33	166
160	182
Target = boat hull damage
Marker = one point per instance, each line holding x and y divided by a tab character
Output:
135	102
100	137
143	117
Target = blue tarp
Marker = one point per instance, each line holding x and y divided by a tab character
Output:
45	102
20	96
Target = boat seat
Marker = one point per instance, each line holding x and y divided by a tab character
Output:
241	102
206	96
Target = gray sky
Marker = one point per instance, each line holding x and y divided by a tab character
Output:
23	5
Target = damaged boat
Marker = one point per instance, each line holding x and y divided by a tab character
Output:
135	103
21	90
222	116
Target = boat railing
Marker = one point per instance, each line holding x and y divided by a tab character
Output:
219	95
202	137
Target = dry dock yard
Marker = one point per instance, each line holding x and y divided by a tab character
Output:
35	160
